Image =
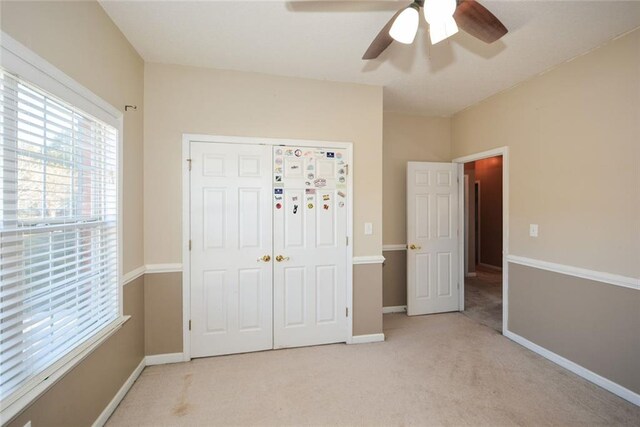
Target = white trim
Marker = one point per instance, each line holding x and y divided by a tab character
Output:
504	152
482	155
120	219
163	268
465	225
186	218
42	382
395	247
267	141
186	252
163	359
150	269
363	339
581	371
111	407
394	309
472	274
373	259
28	65
350	212
133	275
478	229
462	232
598	276
21	60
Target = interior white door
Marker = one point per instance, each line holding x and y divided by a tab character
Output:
432	238
310	248
231	244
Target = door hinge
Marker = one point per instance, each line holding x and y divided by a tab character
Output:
189	162
189	244
346	169
189	324
347	239
346	310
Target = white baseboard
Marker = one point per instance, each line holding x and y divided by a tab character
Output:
362	339
163	359
394	309
472	274
581	371
104	416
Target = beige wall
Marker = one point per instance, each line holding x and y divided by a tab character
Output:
408	138
367	299
405	138
591	323
394	279
79	397
197	100
81	40
207	101
163	313
573	145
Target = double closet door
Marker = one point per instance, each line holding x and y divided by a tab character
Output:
268	247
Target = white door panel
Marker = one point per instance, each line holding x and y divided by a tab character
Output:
432	255
310	234
231	290
248	202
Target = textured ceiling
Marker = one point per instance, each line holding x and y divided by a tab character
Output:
325	40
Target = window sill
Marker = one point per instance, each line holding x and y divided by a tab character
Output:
31	391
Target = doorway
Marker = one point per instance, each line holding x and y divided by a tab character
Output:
268	227
483	231
484	295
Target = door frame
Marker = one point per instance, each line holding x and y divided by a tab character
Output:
478	193
187	139
465	229
504	152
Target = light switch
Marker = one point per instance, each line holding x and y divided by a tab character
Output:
533	230
368	228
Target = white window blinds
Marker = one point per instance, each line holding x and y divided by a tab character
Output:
58	230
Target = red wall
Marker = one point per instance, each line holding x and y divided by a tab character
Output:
489	173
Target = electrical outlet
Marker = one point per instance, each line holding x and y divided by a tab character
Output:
368	228
533	230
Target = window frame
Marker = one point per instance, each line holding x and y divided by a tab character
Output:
21	61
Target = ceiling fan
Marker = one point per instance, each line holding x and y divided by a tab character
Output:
444	18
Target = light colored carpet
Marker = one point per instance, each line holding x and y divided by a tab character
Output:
442	369
483	298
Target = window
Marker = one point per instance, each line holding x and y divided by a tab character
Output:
59	262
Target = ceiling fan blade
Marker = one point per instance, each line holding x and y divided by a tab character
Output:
382	40
476	20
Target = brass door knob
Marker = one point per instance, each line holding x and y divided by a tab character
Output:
281	258
414	247
265	258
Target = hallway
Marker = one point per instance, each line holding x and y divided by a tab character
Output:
483	298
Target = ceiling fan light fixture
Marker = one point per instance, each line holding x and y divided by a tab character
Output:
443	29
438	10
405	26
